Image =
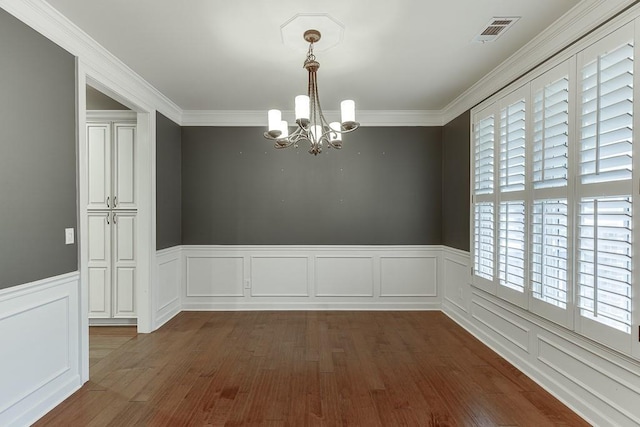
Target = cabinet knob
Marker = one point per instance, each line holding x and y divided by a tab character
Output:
114	217
108	219
108	202
115	199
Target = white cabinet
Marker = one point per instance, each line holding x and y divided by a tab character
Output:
111	211
111	165
112	264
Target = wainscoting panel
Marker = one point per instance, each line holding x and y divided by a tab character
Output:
311	277
601	385
279	276
456	279
344	276
168	304
409	276
215	276
40	349
501	323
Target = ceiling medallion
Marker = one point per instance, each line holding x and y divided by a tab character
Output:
312	126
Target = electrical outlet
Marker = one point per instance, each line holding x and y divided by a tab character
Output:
69	237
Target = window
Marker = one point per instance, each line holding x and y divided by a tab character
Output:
553	215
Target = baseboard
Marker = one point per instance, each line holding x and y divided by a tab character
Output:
306	306
40	330
113	322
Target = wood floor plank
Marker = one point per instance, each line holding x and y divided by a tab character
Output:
304	369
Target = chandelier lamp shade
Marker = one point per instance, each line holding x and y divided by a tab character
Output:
311	125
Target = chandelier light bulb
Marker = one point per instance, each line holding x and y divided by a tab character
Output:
275	117
284	128
348	111
302	107
311	125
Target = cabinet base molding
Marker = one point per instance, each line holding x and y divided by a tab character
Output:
113	322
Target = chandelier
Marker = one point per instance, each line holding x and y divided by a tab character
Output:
312	126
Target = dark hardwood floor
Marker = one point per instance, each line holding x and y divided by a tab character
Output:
304	368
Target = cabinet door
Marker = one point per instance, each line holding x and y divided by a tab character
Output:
99	165
124	264
124	166
99	238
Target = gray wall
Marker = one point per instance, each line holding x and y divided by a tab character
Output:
455	182
383	187
97	100
37	155
168	183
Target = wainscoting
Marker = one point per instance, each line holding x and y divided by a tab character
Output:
167	303
40	349
310	278
599	384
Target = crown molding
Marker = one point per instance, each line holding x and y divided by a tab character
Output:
580	20
105	71
103	68
259	118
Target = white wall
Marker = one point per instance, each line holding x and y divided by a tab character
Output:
40	358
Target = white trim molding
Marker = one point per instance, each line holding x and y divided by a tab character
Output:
365	117
41	346
111	115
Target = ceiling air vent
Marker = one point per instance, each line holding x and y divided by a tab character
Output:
496	27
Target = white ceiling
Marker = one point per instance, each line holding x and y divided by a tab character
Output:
229	54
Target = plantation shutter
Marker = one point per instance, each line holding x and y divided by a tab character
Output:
607	117
604	273
551	134
512	147
604	259
549	252
550	224
483	240
512	245
484	157
484	211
